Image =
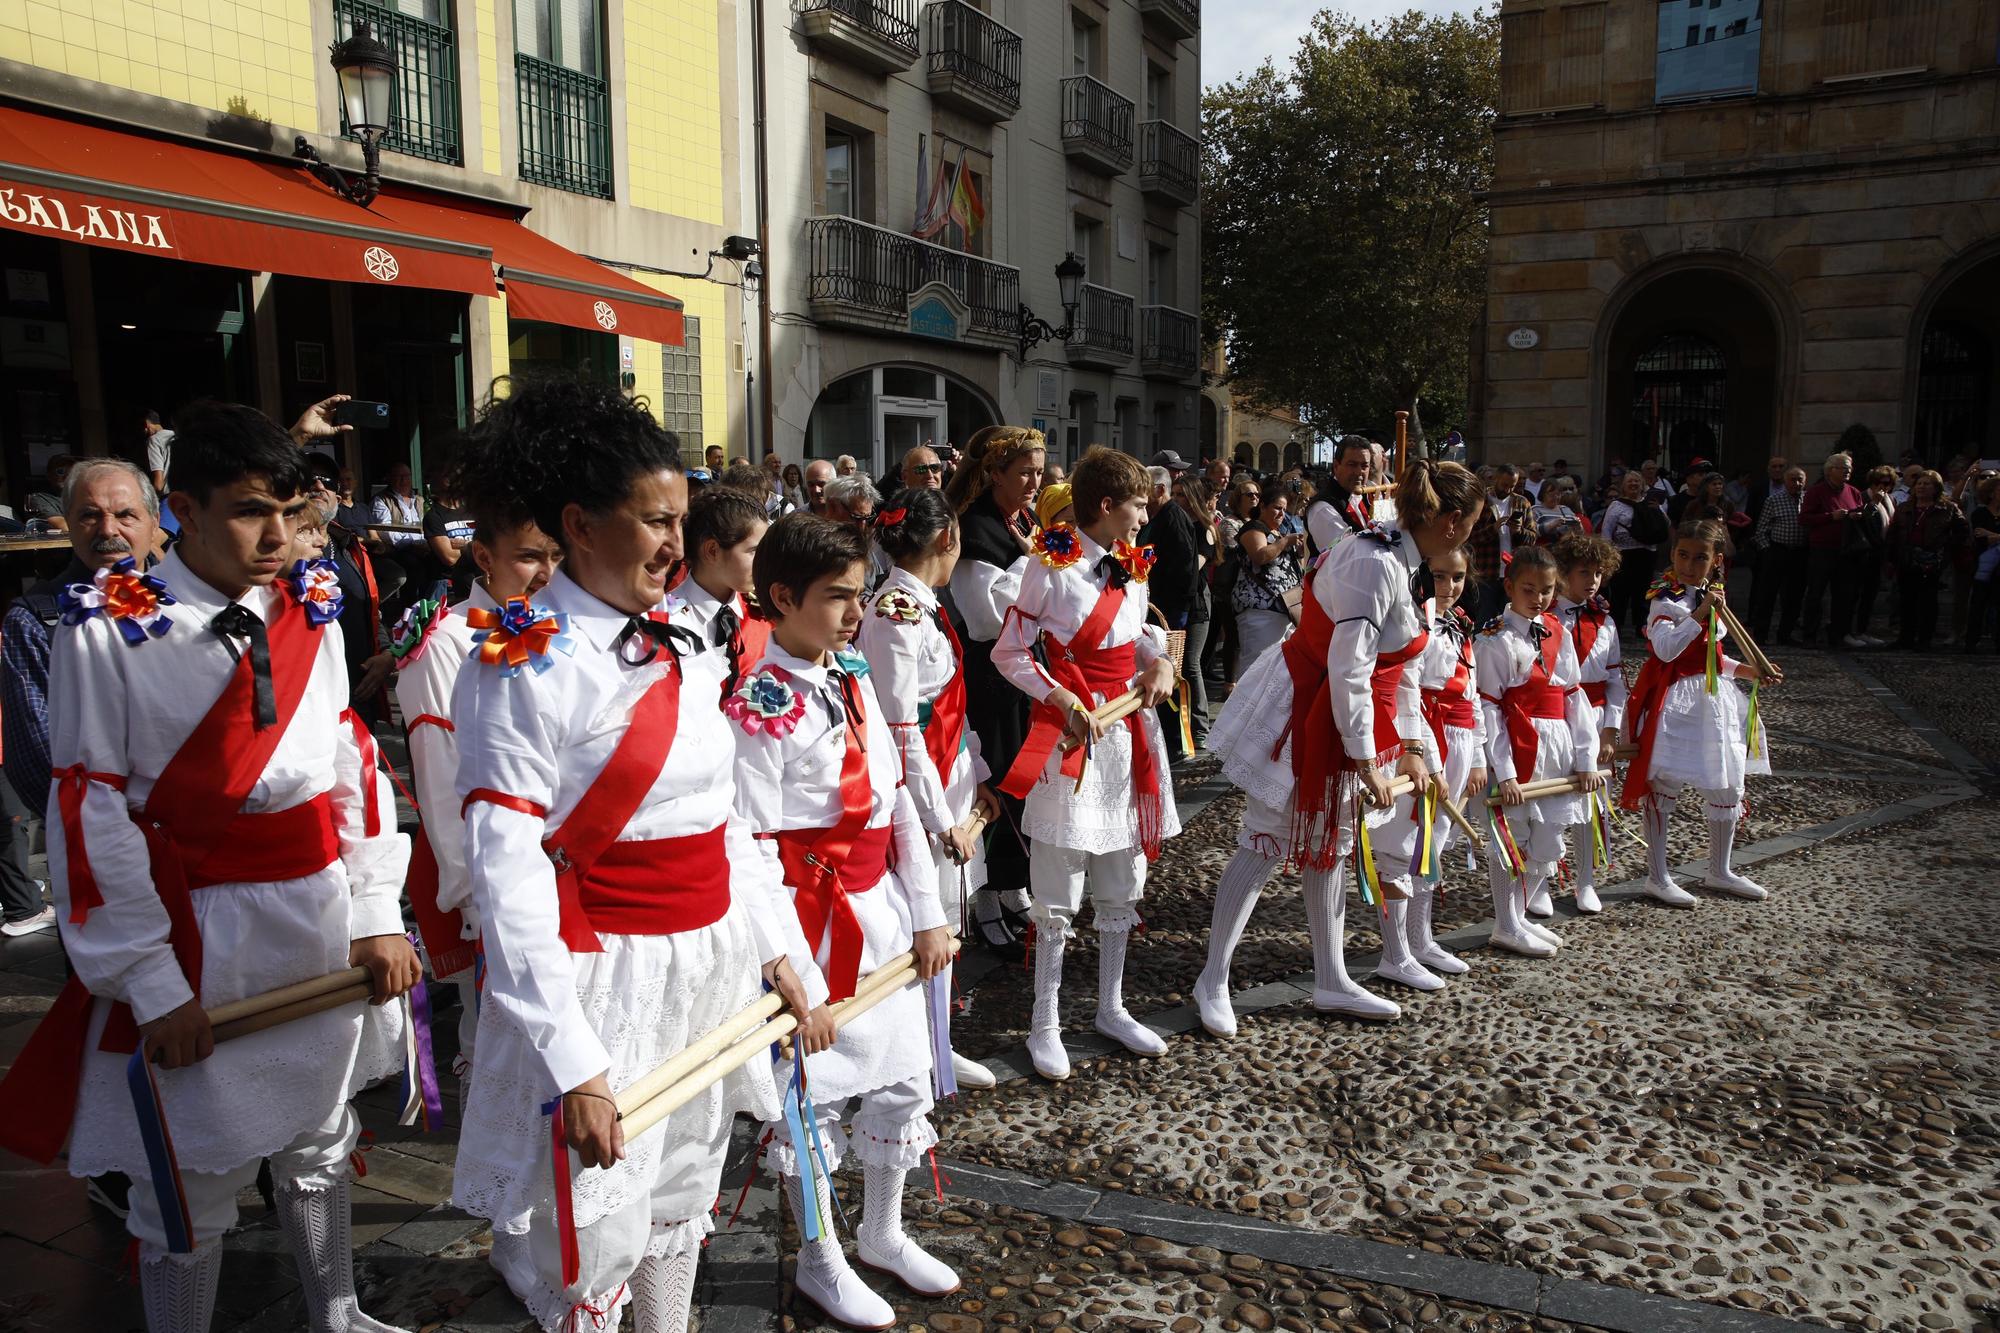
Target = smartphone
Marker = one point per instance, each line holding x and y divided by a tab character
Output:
361	415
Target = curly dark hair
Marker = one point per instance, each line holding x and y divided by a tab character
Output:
925	513
553	441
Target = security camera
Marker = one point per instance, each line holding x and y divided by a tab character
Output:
740	248
753	271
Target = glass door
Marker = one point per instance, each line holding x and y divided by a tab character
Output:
901	424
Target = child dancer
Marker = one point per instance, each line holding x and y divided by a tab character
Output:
919	672
1690	733
1535	729
1313	730
723	528
1095	816
1587	562
1410	953
820	780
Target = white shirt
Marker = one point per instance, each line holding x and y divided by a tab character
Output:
1057	602
424	689
982	593
1605	661
160	455
912	662
1364	588
1503	507
543	737
695	607
1506	656
1440	664
407	511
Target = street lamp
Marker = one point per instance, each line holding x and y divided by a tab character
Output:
1069	281
367	72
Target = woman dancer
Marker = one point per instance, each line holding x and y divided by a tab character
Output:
1313	731
623	908
1691	732
1536	728
993	492
913	653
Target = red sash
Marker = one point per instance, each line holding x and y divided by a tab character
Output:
659	887
1642	713
592	827
945	732
1087	670
1589	623
442	932
1536	697
1597	691
196	836
820	894
1319	757
1451	706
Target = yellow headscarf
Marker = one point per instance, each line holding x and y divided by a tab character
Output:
1051	500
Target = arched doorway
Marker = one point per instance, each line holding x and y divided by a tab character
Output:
1245	456
1690	368
1295	454
1267	456
882	413
1958	398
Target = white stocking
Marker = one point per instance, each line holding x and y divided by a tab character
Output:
663	1292
178	1290
1655	816
319	1223
1326	919
1236	894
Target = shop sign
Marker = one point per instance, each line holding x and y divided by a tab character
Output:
936	312
76	215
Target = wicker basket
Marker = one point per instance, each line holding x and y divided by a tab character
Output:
1176	639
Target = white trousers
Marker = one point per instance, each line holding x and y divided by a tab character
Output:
1059	876
891	1127
317	1159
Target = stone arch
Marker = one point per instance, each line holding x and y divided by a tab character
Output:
1966	288
1708	291
1267	456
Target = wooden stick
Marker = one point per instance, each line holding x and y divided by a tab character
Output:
726	1034
285	995
1743	640
1534	791
876	987
1402	442
1111	710
1625	750
1457	815
355	992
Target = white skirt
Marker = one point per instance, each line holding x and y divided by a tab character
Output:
1701	741
256	1094
889	1043
957	881
1100	815
648	997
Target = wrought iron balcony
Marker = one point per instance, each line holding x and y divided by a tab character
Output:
1103	334
1169	162
1181	18
565	127
1169	343
868	277
880	35
1096	125
426	122
975	62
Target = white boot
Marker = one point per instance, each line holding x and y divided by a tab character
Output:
1539	902
1113	1020
1510	922
1423	944
1587	901
1243	879
663	1292
320	1226
1398	964
178	1290
1045	1045
1660	884
970	1073
882	1245
1537	882
1721	875
1326	912
824	1277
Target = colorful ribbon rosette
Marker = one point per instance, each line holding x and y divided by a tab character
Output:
1138	560
1059	547
766	702
316	583
519	636
132	600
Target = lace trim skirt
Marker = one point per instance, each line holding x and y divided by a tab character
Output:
1100	816
647	997
889	1043
1701	741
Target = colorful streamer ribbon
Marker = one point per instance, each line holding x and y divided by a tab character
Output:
572	1263
1754	726
1600	853
1365	872
175	1216
1184	710
420	1084
1503	839
1424	854
1714	650
937	993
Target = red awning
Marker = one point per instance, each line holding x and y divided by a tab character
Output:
124	190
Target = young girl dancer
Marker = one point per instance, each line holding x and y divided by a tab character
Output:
919	673
1536	728
1410	953
1316	728
1689	733
1587	562
821	783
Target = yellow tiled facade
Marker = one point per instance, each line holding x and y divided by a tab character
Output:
673	108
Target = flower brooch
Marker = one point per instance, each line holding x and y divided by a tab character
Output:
132	600
519	636
766	702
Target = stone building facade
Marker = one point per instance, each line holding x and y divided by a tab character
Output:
1731	228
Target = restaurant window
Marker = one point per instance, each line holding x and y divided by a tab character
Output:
1716	57
680	389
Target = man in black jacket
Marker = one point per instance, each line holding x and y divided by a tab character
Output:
1176	581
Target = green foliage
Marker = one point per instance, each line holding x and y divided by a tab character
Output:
1344	240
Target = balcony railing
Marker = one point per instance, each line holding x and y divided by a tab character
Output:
565	127
877	34
1103	335
1182	18
864	275
426	80
1096	124
1169	342
1169	161
975	63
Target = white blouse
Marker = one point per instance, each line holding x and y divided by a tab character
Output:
1057	602
912	662
1364	587
424	688
1605	661
1506	656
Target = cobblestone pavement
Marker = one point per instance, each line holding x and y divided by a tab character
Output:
1736	1117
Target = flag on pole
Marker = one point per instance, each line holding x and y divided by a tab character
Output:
933	195
967	208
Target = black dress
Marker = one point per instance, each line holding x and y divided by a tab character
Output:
997	710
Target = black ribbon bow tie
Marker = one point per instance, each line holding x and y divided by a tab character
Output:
652	636
725	627
1423	583
1114	569
239	622
1537	631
